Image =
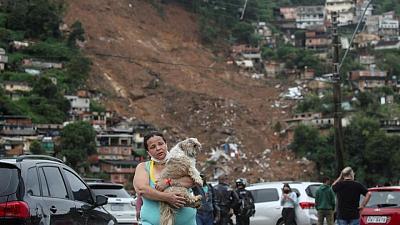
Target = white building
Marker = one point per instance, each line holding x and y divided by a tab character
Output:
78	105
310	16
345	8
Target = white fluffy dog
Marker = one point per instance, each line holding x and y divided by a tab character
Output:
180	163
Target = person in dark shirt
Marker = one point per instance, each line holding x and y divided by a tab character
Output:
246	207
208	213
348	194
227	200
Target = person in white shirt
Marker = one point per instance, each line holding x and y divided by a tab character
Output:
288	202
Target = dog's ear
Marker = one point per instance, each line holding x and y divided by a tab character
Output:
183	145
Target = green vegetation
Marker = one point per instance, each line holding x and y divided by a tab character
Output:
38	21
77	142
36	148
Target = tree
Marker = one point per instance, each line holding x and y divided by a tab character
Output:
77	33
77	142
242	32
308	142
36	148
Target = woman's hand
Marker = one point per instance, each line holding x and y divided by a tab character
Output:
176	200
161	186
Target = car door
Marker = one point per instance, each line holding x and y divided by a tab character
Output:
268	208
59	206
84	200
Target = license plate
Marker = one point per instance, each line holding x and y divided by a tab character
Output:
117	207
376	219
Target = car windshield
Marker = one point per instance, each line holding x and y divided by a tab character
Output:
383	199
110	191
9	178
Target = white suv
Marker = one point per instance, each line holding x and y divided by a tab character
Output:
268	208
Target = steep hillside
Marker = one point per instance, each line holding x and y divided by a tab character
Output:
153	68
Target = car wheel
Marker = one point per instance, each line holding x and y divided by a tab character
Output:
280	222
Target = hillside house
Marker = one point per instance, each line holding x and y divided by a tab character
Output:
115	146
11	146
20	45
372	24
367	60
3	59
360	7
15	90
346	9
386	45
391	126
317	40
285	17
49	130
38	64
78	105
310	16
363	40
273	68
388	26
16	126
318	85
120	171
16	134
310	119
266	33
307	74
369	79
246	52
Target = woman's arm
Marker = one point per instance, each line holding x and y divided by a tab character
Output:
142	186
186	182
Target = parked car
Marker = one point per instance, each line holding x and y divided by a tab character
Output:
120	203
268	208
43	190
383	207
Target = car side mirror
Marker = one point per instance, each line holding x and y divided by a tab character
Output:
101	200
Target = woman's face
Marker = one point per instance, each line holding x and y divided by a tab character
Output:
157	147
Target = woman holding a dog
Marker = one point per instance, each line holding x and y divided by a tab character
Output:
146	184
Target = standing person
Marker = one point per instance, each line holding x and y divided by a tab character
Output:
246	207
208	213
145	181
325	202
348	194
227	200
288	203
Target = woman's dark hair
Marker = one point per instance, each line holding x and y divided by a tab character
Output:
286	185
150	135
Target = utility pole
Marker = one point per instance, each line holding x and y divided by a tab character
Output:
244	9
337	96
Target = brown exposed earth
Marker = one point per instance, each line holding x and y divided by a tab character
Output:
152	67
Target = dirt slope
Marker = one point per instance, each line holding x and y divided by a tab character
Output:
153	68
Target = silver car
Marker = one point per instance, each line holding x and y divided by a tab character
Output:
268	208
120	203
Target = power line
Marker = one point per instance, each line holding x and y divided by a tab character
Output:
135	59
354	34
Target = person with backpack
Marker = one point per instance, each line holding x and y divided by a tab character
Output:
208	213
227	200
245	208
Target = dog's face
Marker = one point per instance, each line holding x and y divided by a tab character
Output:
190	147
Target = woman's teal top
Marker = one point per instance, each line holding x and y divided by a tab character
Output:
150	211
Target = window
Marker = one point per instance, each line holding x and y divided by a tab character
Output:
32	182
43	182
55	182
265	195
79	189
